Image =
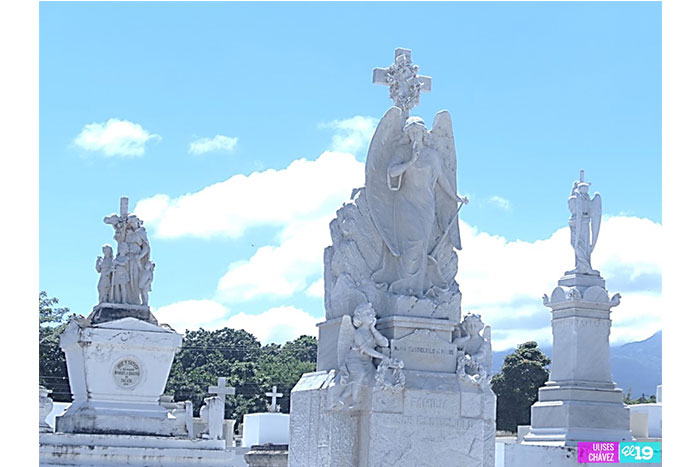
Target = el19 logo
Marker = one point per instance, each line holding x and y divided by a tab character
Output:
635	453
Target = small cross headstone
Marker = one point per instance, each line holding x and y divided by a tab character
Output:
221	390
405	84
274	395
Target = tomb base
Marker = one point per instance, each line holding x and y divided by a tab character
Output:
69	449
437	419
565	415
117	372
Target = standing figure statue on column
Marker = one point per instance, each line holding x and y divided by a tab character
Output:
586	214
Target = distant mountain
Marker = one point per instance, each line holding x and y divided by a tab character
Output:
635	365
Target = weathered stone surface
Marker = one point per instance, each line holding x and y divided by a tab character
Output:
436	411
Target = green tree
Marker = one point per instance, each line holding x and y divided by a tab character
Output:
282	366
53	373
628	400
516	385
207	355
248	366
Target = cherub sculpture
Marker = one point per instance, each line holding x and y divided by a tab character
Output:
104	266
474	363
357	343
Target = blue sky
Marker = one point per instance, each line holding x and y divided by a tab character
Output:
536	91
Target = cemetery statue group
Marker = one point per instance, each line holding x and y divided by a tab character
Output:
403	377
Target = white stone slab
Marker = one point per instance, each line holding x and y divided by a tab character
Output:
90	450
262	428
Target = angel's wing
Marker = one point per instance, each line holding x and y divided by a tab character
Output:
446	207
345	337
596	213
384	147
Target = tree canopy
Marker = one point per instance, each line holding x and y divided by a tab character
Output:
53	373
522	374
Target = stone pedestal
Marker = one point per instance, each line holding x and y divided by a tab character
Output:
265	428
438	419
117	372
580	402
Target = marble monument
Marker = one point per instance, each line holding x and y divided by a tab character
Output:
580	402
118	361
400	379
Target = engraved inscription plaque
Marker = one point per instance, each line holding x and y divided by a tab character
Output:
425	350
127	373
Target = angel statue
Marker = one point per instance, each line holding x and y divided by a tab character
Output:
357	342
411	189
584	222
475	363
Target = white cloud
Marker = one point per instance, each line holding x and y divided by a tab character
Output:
192	314
115	138
499	202
504	281
304	191
352	134
316	289
217	143
279	271
280	324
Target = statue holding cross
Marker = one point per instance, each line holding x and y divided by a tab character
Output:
126	278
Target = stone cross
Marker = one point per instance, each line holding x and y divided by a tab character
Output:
123	206
581	177
274	395
221	390
405	84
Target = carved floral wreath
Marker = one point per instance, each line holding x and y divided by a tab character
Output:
397	374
